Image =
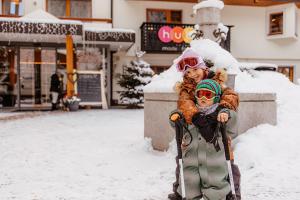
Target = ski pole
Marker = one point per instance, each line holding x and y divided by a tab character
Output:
179	135
227	156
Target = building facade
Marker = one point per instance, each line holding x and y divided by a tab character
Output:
260	32
251	38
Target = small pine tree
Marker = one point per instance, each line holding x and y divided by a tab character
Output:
136	75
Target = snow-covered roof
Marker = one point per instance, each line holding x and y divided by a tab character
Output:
209	3
40	16
104	27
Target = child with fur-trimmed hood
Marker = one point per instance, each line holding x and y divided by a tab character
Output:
194	70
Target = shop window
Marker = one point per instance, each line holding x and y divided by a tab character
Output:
288	71
12	7
70	8
159	69
276	24
164	16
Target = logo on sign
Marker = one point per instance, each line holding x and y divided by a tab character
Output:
177	34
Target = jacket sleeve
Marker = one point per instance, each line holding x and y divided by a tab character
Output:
230	99
187	105
232	124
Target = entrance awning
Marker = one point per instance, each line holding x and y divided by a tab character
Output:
116	38
42	27
39	26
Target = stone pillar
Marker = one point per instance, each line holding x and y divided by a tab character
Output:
208	20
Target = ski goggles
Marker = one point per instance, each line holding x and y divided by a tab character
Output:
190	62
207	94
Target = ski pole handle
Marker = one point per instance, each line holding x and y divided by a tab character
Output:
174	117
225	140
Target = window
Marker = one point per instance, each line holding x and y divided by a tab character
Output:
70	8
288	71
276	24
12	7
81	8
164	16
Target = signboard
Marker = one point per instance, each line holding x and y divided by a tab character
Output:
166	38
90	88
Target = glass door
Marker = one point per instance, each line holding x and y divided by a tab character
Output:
36	67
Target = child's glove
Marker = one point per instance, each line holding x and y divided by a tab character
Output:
224	115
174	117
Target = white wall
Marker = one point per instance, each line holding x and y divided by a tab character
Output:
248	35
32	5
101	9
249	43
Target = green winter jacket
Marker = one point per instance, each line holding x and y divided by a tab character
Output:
205	170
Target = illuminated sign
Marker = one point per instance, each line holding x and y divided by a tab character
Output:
176	34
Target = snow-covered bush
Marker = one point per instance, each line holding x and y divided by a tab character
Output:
136	75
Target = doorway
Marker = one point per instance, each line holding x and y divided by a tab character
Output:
37	64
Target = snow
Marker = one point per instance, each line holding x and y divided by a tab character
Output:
102	154
90	155
104	27
262	82
207	49
223	28
268	155
41	16
209	3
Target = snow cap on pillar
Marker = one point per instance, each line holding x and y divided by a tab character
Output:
209	4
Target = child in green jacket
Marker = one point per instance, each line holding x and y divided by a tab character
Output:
204	164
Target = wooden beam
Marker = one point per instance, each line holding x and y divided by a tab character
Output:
70	66
68	8
87	19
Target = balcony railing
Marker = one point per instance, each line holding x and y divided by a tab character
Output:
157	37
152	43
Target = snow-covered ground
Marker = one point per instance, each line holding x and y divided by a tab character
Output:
86	155
102	154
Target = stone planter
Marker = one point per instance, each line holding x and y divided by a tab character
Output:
254	109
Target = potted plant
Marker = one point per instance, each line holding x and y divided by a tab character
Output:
72	103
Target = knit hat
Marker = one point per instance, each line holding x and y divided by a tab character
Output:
211	85
190	53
